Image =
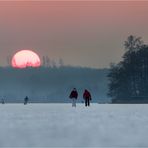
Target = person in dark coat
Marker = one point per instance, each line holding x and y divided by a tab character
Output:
73	96
87	97
3	102
26	100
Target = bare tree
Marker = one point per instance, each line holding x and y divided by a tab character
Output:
46	61
9	58
61	63
54	64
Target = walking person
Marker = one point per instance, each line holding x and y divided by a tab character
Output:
87	97
3	102
26	100
74	96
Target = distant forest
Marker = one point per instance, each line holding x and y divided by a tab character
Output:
52	84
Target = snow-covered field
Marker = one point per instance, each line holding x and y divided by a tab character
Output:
60	125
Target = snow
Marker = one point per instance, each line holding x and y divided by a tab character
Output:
60	125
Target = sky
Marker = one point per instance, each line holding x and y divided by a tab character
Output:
82	33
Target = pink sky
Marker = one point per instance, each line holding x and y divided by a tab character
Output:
81	33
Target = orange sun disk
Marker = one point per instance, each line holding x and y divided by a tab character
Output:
25	58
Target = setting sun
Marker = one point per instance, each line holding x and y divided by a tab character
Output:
25	58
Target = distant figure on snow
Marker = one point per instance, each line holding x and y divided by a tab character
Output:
74	96
3	102
26	100
87	97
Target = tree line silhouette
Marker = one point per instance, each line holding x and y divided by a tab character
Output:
128	80
51	84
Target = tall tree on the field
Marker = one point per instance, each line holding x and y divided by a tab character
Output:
131	60
126	78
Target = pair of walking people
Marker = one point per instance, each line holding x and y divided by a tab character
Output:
74	96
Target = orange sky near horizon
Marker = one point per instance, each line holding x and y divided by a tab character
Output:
83	33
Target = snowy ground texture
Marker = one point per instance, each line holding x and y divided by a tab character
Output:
60	125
